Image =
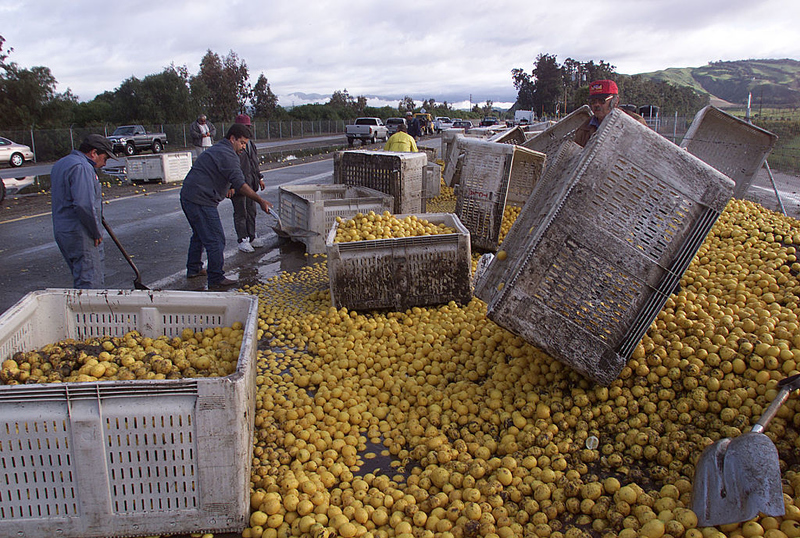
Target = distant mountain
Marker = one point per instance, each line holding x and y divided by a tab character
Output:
772	82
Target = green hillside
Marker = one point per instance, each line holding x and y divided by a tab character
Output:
772	82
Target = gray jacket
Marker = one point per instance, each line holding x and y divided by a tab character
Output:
197	136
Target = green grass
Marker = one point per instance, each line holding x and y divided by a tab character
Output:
786	156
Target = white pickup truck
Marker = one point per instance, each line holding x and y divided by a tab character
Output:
366	130
441	123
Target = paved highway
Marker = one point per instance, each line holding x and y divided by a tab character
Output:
155	233
43	169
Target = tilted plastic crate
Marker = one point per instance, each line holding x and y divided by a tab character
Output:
550	139
398	174
514	135
601	244
126	458
432	184
451	154
309	211
493	175
168	167
403	272
734	147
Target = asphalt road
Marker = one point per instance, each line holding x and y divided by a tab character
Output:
155	233
41	169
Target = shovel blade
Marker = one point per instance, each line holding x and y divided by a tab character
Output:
735	479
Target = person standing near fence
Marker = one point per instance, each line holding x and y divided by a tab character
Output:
244	209
76	197
202	132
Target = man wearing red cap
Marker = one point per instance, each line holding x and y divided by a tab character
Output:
244	209
603	97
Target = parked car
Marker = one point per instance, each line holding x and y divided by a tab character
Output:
13	153
461	124
488	121
441	123
392	124
131	139
13	185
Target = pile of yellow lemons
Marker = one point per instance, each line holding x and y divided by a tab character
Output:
435	422
212	352
385	226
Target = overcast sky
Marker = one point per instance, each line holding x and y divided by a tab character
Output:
443	49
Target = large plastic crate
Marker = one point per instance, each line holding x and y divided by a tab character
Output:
731	145
601	244
166	167
390	172
492	176
514	135
309	211
126	458
403	272
550	139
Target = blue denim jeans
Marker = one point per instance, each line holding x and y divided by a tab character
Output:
207	233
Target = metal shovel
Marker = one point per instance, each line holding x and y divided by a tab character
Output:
735	479
137	282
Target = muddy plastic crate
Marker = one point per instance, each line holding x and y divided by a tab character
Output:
450	154
126	458
390	172
308	212
550	139
734	147
492	176
403	272
601	244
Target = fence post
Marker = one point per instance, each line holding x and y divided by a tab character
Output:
33	145
675	129
291	129
254	131
280	129
183	125
71	140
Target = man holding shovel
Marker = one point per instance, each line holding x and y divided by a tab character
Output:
77	210
215	171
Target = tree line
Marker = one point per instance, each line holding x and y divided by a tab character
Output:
221	89
552	88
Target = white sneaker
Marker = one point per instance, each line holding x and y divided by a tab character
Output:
259	242
245	246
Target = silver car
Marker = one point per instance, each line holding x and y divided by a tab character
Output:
13	153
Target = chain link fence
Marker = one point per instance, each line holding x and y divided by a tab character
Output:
52	144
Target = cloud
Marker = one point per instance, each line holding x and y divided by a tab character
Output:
445	50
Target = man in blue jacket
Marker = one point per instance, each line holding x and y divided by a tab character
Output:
77	201
215	171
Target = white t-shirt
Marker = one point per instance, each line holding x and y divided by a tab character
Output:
206	139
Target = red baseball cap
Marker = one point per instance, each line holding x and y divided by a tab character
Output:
603	87
244	119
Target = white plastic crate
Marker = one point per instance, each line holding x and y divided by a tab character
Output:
390	172
167	167
403	272
432	182
450	154
601	244
308	211
734	147
493	175
126	458
514	135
